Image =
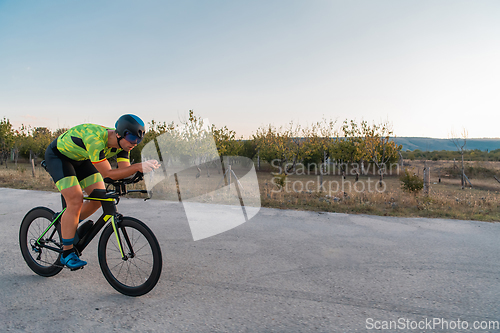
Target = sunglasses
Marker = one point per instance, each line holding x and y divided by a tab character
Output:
132	138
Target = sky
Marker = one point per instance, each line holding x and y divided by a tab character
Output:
426	67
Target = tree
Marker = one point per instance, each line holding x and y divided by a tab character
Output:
58	132
350	148
34	141
24	140
318	142
42	137
379	148
155	129
196	134
225	140
280	147
248	149
6	140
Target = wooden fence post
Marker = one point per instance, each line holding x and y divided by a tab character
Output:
258	160
322	170
427	179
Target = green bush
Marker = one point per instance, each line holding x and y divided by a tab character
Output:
410	182
280	180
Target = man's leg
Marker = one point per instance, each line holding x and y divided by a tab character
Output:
89	207
62	170
69	221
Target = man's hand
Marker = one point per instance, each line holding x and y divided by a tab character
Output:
148	166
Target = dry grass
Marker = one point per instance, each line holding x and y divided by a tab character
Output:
446	198
21	177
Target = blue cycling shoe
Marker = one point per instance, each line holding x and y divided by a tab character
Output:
72	261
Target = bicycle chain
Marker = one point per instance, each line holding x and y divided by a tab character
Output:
56	264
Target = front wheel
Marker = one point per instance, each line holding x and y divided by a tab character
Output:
41	242
137	271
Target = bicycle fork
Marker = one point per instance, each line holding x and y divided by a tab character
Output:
115	223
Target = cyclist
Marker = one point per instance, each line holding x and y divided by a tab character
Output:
78	159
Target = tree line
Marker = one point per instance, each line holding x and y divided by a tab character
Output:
347	144
24	142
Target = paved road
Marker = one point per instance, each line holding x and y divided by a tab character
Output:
283	271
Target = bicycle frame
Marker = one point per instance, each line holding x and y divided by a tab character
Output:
109	213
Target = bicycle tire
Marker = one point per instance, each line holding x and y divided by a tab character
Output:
138	274
41	260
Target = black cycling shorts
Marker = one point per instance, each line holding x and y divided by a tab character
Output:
67	172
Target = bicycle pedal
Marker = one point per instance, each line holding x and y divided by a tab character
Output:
75	269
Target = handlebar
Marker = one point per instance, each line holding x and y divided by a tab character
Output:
137	177
120	186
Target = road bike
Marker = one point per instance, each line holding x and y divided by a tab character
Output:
128	251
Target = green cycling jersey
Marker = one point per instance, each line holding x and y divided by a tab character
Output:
89	142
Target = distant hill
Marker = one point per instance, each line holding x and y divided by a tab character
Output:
430	144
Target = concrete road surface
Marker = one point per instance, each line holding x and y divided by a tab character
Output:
284	271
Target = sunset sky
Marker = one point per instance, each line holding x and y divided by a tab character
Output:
428	67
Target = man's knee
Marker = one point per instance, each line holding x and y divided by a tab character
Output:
73	197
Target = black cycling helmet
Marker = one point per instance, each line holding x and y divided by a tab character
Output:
130	127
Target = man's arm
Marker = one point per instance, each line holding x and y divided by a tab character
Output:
125	169
106	171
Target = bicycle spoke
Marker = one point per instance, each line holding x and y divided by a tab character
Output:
140	271
121	266
118	264
146	262
132	238
136	251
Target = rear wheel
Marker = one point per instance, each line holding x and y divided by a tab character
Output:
138	270
40	253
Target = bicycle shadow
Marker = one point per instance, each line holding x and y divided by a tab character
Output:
26	284
27	278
